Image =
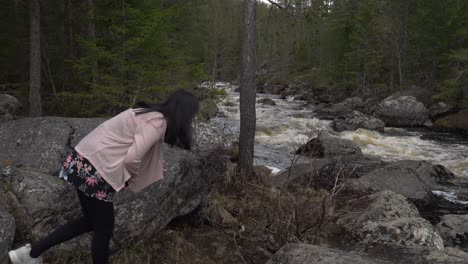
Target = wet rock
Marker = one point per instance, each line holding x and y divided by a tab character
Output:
344	107
208	109
321	173
266	101
311	254
454	230
268	88
413	179
326	146
9	105
355	120
440	109
458	121
402	111
7	233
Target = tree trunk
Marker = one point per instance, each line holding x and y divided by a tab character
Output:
69	29
35	104
92	36
247	90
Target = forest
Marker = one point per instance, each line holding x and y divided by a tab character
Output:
98	57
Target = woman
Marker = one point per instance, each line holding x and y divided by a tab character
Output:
124	151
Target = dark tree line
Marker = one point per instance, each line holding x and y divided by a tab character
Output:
96	57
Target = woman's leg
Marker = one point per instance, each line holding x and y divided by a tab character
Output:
66	232
102	220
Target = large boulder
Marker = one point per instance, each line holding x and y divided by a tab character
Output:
457	121
8	106
7	233
322	173
208	109
440	109
355	120
346	106
402	111
311	254
266	101
413	179
40	201
387	218
42	143
454	230
326	146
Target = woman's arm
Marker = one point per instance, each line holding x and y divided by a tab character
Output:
146	135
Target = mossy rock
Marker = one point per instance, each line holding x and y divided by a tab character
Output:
208	110
457	121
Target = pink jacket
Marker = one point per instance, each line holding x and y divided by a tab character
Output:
127	147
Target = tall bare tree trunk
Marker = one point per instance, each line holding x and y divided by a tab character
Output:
247	90
69	28
92	36
35	104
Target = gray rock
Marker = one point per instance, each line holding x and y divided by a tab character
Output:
208	109
355	120
457	121
266	101
42	143
440	109
402	111
43	201
383	205
321	173
413	179
327	146
387	218
454	230
346	106
400	232
8	104
311	254
417	254
7	233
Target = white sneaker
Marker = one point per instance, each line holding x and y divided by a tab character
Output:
21	256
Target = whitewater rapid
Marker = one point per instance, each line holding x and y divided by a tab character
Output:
281	128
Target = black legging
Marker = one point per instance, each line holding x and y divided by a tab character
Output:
98	216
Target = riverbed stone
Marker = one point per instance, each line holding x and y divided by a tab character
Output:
325	146
387	218
457	121
440	109
413	179
312	254
341	108
266	101
402	111
354	120
454	230
208	109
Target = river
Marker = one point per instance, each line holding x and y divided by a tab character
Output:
281	128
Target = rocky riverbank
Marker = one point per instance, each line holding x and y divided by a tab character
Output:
333	205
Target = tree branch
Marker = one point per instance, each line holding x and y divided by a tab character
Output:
276	4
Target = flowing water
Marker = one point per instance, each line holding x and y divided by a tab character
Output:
289	123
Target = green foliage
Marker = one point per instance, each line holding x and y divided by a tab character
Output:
142	50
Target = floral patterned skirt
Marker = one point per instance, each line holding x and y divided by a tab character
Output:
81	174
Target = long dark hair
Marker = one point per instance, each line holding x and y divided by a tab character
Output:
179	109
